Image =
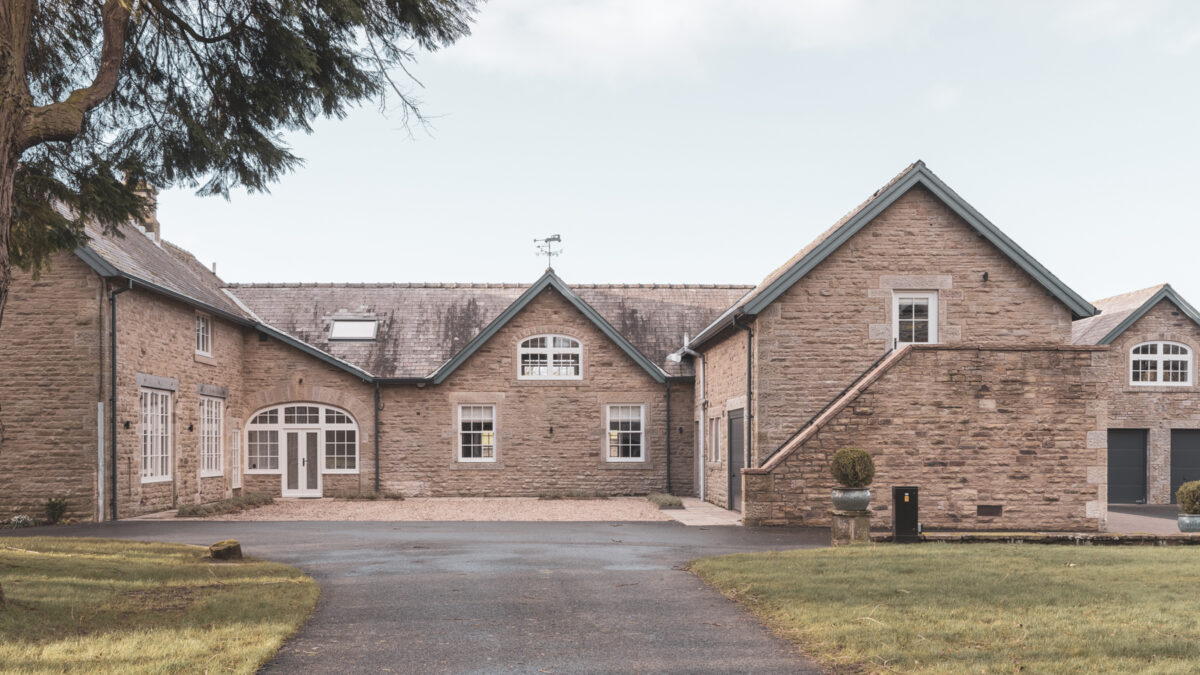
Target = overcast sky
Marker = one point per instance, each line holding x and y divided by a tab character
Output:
706	141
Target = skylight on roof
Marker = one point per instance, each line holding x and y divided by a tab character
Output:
352	329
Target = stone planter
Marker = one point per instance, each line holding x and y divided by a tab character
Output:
851	499
1189	522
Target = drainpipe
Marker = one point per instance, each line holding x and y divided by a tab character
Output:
112	400
749	388
376	437
668	435
703	430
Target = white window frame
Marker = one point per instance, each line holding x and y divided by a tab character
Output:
212	435
608	431
235	460
280	426
550	352
359	337
714	429
932	298
1158	359
458	430
155	446
203	334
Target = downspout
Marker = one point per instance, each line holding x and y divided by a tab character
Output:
112	400
668	435
749	390
703	430
377	437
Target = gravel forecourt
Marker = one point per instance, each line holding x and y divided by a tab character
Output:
454	508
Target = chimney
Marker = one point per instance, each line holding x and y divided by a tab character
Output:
150	214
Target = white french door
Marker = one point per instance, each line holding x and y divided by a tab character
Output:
302	469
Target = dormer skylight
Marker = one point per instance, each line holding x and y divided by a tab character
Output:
352	329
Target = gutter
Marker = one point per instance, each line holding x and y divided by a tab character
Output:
377	437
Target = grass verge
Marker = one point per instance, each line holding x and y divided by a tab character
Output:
665	501
103	606
231	505
943	608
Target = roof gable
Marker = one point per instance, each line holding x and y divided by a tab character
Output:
549	280
1119	313
916	174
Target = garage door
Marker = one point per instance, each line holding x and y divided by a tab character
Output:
1185	458
1126	466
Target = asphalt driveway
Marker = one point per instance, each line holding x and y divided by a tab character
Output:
465	597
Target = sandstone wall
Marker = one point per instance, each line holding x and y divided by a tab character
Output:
1019	428
1154	408
50	354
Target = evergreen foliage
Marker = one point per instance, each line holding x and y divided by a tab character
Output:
852	468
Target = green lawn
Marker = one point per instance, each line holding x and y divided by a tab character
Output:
93	605
977	608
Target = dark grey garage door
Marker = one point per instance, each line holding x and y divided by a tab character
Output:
1185	458
1126	466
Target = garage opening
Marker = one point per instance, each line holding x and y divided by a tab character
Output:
1185	458
1127	466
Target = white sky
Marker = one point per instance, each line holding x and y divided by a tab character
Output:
707	141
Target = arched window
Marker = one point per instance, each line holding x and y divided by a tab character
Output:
550	357
337	431
1163	364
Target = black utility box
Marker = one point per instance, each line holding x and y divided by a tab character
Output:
905	525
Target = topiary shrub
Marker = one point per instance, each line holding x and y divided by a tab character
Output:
56	508
1188	496
852	468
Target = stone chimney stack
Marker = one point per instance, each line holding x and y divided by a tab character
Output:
150	215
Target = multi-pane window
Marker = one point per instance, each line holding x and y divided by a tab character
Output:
262	450
302	414
203	335
337	428
235	455
1160	363
155	432
714	439
626	435
477	433
914	317
211	416
550	357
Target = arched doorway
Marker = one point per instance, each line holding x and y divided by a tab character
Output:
302	442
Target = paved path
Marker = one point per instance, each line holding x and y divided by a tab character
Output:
697	512
1143	519
460	597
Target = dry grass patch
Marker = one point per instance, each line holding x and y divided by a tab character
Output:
102	606
982	608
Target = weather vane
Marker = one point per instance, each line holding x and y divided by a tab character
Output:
546	247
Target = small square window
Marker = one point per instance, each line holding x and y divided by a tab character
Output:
914	317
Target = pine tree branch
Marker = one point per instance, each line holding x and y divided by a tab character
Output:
62	121
187	28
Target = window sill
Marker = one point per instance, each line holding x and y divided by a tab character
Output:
476	466
212	475
627	466
261	472
161	479
340	472
206	360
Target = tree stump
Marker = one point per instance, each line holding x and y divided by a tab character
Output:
229	549
1	596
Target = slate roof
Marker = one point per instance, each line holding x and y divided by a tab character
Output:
1121	311
422	326
167	266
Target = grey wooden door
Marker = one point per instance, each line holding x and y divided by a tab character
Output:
1185	458
302	473
737	458
1126	466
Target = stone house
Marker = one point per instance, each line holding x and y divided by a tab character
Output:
133	379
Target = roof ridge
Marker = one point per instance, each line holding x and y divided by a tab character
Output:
1149	290
451	284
